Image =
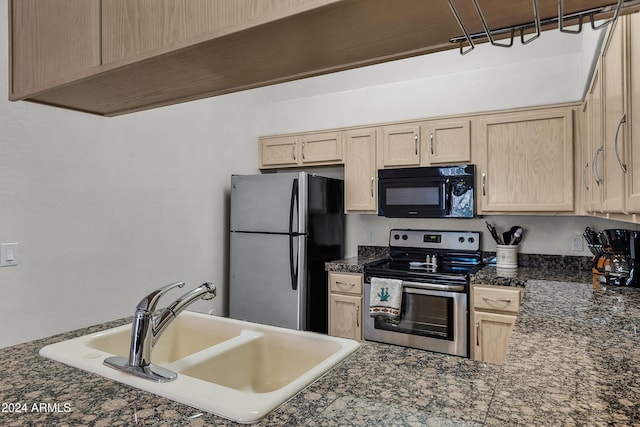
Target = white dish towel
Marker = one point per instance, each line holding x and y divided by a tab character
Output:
386	298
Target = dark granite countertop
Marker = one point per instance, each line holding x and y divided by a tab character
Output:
574	359
366	254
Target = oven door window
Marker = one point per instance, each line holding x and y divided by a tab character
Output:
405	198
424	315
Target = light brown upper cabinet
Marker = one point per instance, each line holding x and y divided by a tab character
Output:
615	115
525	161
360	171
400	145
131	28
612	133
52	40
446	142
321	148
632	149
592	148
313	149
582	156
429	143
279	151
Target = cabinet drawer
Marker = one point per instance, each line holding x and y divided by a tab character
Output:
497	298
345	283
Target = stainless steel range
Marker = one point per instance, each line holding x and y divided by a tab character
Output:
434	267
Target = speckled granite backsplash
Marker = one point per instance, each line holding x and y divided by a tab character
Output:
373	252
576	263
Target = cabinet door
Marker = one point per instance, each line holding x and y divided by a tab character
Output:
584	156
527	161
321	148
52	40
492	334
345	318
401	145
613	80
633	146
446	142
278	151
594	143
136	27
360	171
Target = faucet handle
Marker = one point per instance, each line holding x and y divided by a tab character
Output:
150	302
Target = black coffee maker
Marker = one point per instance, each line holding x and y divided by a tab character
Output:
618	261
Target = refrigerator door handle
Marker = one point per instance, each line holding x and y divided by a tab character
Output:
293	266
293	204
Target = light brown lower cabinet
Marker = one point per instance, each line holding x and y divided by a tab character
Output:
345	305
494	314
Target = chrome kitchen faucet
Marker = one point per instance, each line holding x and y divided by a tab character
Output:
148	326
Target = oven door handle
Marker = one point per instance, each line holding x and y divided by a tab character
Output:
434	286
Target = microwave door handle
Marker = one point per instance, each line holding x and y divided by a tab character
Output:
447	197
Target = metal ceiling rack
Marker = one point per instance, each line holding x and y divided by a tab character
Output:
536	24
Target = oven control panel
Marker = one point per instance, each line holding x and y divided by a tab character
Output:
432	239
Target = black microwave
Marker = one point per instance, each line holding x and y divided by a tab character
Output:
427	192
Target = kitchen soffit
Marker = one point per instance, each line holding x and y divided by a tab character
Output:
338	36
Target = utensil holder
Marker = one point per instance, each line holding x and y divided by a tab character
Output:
507	257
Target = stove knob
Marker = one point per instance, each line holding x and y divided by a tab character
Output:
471	240
461	239
405	237
396	236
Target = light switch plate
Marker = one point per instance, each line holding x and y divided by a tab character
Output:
9	254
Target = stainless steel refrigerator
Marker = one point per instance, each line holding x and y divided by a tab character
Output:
283	228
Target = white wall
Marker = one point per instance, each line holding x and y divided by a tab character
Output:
552	69
107	209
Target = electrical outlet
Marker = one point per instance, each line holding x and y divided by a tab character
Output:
576	243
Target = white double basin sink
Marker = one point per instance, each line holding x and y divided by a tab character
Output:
235	369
